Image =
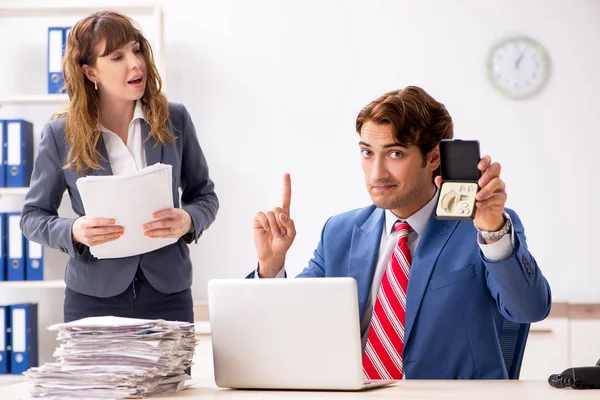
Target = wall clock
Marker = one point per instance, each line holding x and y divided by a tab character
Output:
518	67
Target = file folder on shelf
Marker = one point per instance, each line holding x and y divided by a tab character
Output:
19	152
57	39
24	337
66	30
15	269
3	252
4	340
2	153
35	261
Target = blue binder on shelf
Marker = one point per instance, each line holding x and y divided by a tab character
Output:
4	340
57	39
24	337
3	241
15	269
19	152
2	153
35	261
66	30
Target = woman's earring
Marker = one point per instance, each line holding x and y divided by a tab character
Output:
96	85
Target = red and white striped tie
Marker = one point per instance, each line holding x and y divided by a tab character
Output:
383	353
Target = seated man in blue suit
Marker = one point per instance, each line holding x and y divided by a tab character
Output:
432	293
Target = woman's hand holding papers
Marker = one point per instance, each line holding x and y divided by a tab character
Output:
274	233
173	223
95	231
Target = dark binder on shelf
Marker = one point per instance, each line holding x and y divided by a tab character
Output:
19	152
2	153
24	337
4	340
56	45
15	269
3	247
66	30
35	261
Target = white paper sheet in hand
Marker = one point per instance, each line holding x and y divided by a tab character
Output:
130	200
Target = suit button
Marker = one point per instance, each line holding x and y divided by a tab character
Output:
524	259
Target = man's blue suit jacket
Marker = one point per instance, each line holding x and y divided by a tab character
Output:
456	298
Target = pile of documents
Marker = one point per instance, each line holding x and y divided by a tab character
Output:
130	200
116	358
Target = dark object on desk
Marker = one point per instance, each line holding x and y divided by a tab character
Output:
577	378
513	338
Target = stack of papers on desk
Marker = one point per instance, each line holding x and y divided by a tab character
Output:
116	358
130	200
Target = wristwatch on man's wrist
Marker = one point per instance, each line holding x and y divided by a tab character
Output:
497	235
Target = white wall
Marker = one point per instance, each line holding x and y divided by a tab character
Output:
275	86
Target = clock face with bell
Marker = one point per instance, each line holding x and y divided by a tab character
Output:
518	67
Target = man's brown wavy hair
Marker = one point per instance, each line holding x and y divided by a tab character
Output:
83	129
416	118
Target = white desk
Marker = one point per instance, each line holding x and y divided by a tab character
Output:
405	390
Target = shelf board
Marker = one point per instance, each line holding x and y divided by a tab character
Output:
53	284
77	10
11	379
17	191
35	99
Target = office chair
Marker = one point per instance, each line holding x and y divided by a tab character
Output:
513	338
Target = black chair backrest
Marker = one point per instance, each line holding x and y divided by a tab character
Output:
513	339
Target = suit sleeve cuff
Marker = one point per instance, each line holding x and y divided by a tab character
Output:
192	237
72	248
501	250
280	274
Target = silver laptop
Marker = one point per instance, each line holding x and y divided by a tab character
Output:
287	334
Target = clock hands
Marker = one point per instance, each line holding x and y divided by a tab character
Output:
518	62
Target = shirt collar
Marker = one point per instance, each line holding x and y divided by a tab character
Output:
138	112
418	221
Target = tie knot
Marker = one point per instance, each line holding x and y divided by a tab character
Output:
402	227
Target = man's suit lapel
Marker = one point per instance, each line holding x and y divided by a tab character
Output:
153	151
364	250
432	242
